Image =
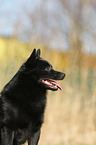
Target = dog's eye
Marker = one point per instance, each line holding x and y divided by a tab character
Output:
47	68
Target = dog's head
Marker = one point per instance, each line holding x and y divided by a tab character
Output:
42	71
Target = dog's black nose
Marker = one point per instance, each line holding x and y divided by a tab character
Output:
63	76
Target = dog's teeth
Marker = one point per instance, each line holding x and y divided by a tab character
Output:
52	84
47	83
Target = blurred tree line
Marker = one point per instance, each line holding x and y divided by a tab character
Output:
64	25
59	24
12	50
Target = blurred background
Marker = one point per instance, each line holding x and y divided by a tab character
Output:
65	31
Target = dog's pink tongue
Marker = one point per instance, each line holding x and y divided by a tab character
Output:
57	85
54	83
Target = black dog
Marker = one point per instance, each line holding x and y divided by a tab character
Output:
23	101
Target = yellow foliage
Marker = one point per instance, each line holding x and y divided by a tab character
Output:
12	49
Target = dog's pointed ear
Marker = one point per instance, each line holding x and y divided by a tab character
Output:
32	58
38	53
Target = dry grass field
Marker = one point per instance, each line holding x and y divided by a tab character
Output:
70	116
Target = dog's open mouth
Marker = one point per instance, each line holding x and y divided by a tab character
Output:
51	84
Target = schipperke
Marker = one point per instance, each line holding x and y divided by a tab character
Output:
23	101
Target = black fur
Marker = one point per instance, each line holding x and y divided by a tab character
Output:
23	101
